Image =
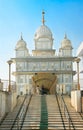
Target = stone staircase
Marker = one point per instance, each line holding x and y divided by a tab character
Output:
54	116
33	115
75	116
45	112
8	122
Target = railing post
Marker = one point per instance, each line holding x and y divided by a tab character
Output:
18	123
69	124
64	109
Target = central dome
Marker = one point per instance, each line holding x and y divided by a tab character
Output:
43	31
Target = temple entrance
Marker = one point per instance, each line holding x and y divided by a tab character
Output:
44	90
45	83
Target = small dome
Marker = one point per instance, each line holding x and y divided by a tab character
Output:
21	44
66	42
43	31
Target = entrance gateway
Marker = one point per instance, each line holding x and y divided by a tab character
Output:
45	81
44	67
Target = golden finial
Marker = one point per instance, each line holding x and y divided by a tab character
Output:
43	20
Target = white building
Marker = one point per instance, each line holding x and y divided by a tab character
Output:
80	54
44	67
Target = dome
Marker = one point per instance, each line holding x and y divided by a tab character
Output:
21	44
66	42
43	31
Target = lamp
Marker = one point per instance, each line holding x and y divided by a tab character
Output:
77	61
9	63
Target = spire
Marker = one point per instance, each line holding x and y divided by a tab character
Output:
43	20
21	36
65	37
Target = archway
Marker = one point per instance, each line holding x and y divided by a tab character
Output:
46	80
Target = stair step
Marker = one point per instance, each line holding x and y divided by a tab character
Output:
43	114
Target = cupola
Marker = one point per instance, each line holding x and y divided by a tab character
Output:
21	43
66	43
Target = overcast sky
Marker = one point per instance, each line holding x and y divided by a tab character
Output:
16	16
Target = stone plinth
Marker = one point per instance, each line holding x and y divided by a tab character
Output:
76	100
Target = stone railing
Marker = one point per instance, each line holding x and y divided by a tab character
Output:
5	83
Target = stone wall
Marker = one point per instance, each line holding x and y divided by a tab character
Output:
7	102
11	101
2	104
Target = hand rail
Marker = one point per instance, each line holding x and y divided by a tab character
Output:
60	113
25	113
18	114
66	113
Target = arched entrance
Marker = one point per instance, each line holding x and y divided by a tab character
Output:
45	81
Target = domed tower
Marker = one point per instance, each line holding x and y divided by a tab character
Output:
43	40
21	48
66	47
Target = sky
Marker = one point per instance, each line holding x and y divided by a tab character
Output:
16	16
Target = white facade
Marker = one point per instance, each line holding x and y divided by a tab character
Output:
43	60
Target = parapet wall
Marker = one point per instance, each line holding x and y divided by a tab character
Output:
7	102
